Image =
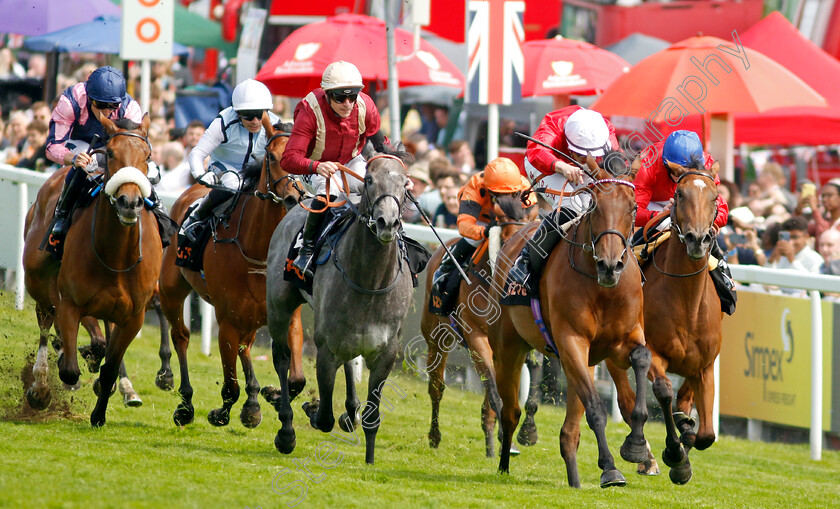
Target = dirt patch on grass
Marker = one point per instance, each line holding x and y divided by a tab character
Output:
60	406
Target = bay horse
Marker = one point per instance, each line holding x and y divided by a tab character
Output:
591	297
233	281
359	301
111	262
682	320
469	322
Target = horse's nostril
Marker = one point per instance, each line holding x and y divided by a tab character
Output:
380	223
619	267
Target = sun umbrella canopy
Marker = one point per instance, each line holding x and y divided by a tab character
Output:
697	75
636	47
102	35
37	17
565	66
295	67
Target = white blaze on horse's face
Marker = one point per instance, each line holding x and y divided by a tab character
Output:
696	207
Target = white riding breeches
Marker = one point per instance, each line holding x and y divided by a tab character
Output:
579	203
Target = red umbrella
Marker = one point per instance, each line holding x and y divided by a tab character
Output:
295	67
561	66
672	82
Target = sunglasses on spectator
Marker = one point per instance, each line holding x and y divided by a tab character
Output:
106	106
340	98
250	114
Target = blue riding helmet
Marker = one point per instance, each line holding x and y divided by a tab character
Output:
682	147
106	85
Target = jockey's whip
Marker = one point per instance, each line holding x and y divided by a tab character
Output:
442	243
546	145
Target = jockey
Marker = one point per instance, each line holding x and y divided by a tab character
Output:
576	132
331	126
656	184
75	125
476	213
234	138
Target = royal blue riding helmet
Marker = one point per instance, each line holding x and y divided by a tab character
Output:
106	85
682	147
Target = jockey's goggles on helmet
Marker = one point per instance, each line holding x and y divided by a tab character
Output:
339	97
250	114
106	106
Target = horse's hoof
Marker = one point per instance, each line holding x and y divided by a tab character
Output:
68	377
514	451
612	478
56	342
131	399
97	421
527	435
183	415
688	438
165	380
251	416
648	467
86	351
674	459
272	396
38	399
219	417
346	424
633	452
296	388
681	474
310	409
97	387
285	442
72	387
434	438
683	421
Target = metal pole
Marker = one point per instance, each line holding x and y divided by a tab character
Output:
23	207
816	376
206	326
145	85
492	131
393	81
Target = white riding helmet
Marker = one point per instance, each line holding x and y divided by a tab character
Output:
342	75
587	131
251	95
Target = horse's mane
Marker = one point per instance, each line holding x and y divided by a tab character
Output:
511	205
251	175
127	124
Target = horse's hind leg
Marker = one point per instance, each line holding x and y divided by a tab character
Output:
436	364
67	323
482	358
682	415
704	390
674	454
228	349
321	414
508	366
570	436
528	431
130	396
173	291
38	395
95	351
635	448
251	416
297	380
380	367
164	379
347	421
117	345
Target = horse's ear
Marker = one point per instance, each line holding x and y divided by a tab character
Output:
145	123
266	123
594	169
714	169
676	169
106	122
635	167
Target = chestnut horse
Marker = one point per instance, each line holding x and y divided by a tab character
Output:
442	335
682	320
111	262
591	295
233	281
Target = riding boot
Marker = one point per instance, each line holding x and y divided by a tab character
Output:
528	266
200	213
461	250
722	279
71	191
305	256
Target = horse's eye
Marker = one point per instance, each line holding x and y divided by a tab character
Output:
109	153
368	180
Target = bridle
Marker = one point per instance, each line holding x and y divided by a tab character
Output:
678	231
269	184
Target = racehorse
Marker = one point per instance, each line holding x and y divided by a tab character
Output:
112	261
359	301
233	281
682	320
591	293
468	325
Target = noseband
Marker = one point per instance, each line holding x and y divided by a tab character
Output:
367	205
269	185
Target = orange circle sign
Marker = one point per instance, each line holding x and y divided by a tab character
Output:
149	3
155	26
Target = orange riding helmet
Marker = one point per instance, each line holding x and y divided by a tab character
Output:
501	175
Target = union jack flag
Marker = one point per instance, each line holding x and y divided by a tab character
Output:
494	39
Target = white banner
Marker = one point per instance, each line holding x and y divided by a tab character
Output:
147	27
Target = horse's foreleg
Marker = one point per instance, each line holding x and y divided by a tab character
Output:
575	364
118	342
130	397
67	323
682	415
626	398
436	358
482	358
228	350
704	390
347	421
635	447
528	431
674	454
180	334
278	326
508	366
165	379
38	394
321	415
250	416
297	380
380	366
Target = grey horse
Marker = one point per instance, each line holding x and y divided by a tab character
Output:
360	298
